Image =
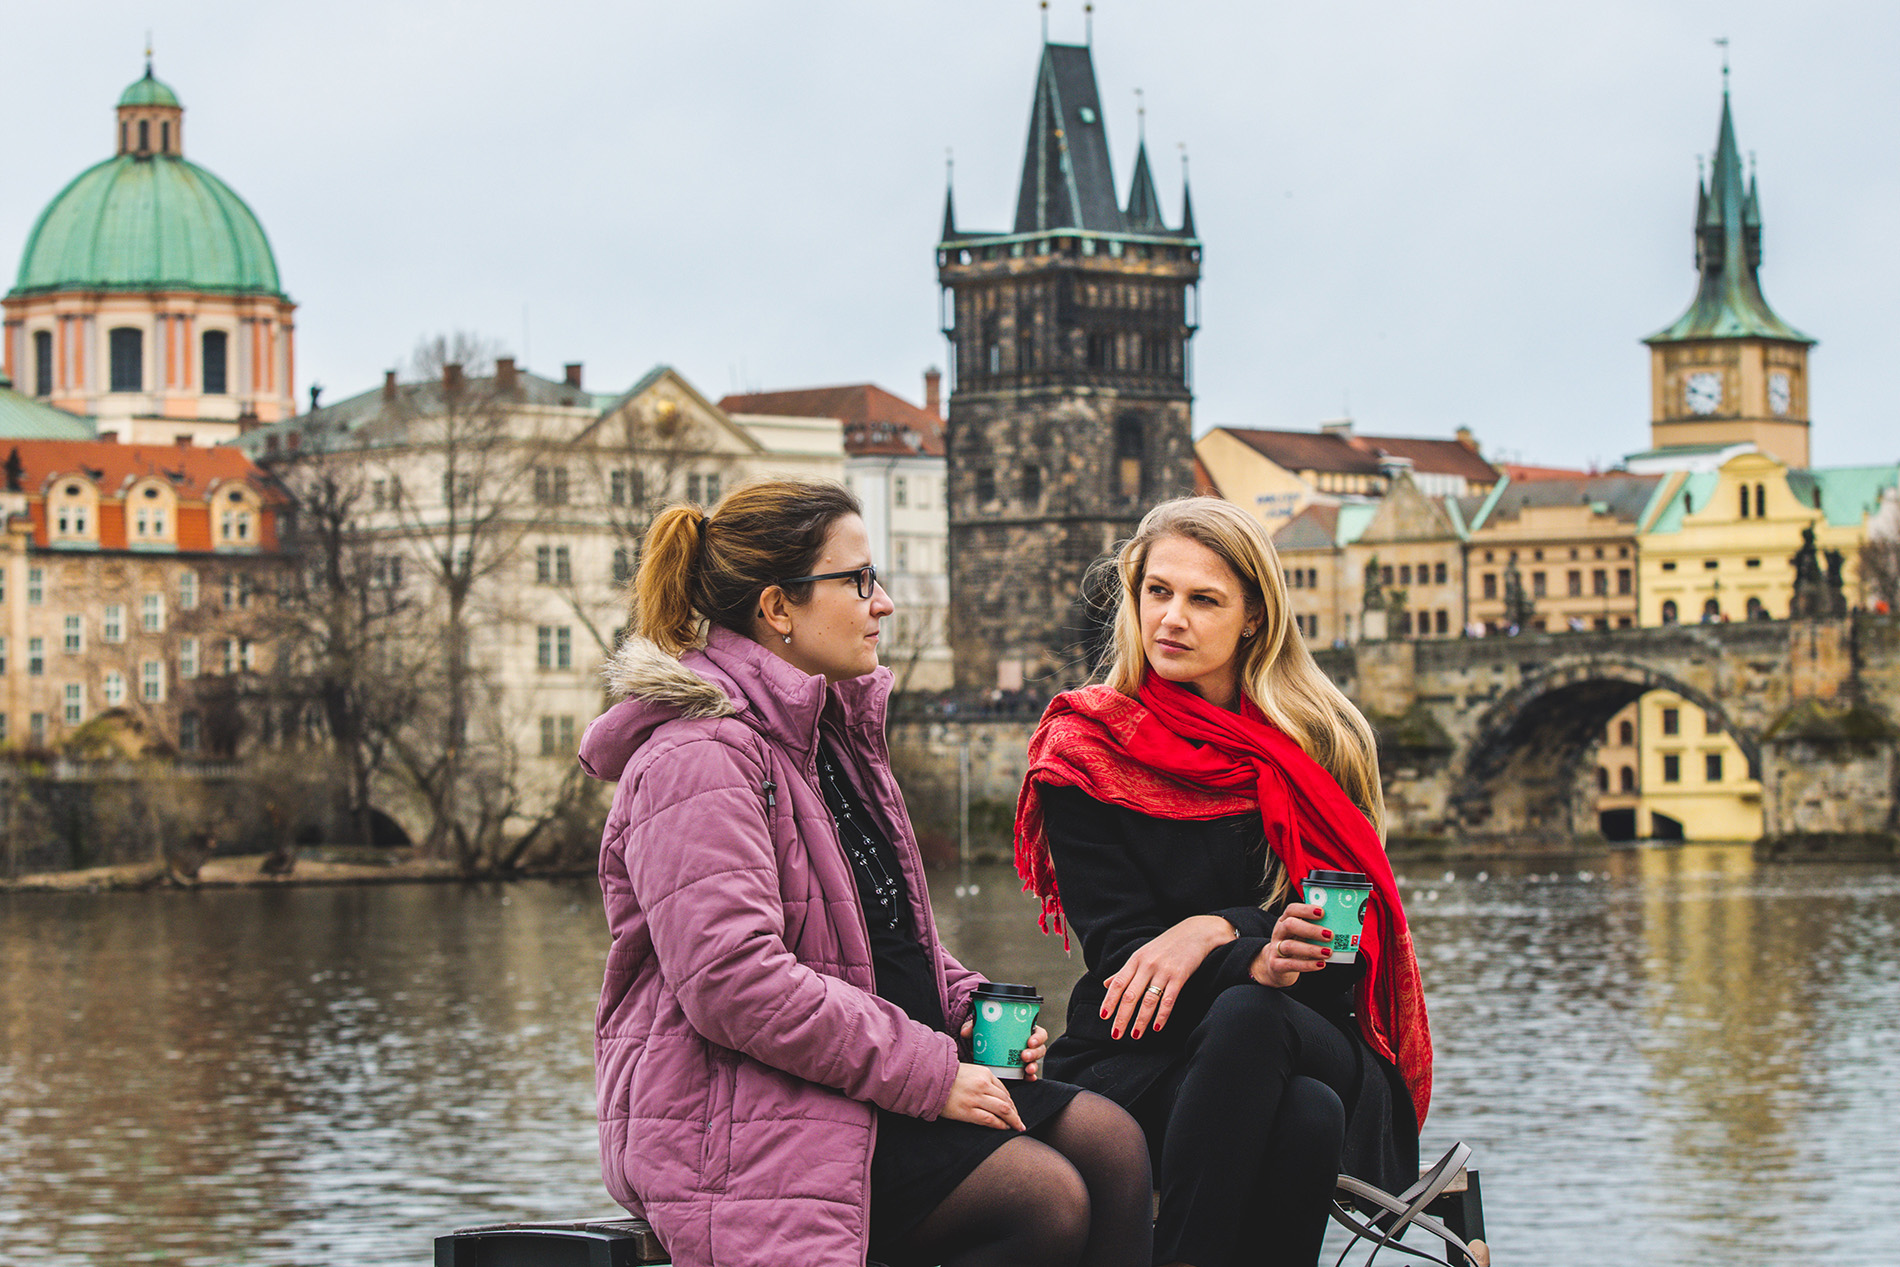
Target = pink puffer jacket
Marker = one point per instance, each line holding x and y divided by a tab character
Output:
740	1053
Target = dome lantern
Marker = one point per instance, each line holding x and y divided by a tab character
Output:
151	119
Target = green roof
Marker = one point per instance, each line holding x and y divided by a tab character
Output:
1848	493
1354	519
1728	302
149	92
24	418
1697	488
158	222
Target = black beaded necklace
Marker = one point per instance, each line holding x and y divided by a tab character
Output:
861	844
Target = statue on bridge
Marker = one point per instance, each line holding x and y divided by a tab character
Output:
1518	605
1817	594
1374	597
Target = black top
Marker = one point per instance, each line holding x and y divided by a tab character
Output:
898	957
1127	877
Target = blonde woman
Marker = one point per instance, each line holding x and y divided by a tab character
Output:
1169	816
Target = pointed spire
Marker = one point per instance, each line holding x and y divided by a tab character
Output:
1068	182
949	196
1729	302
1187	198
1144	205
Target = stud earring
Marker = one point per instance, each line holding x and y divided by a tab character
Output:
787	638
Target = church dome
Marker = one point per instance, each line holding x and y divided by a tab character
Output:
148	219
149	92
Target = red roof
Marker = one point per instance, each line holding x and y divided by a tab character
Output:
193	473
1530	474
876	422
1306	451
1431	457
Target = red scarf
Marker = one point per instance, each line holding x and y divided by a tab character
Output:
1174	755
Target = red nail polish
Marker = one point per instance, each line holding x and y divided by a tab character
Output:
1326	954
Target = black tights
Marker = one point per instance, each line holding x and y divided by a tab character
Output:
1250	1127
1078	1196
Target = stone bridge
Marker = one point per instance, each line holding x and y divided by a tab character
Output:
1488	741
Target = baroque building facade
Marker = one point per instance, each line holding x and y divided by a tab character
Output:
1070	400
136	586
147	295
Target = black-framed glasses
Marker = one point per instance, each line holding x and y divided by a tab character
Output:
866	578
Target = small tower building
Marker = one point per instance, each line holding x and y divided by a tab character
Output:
1729	370
1069	408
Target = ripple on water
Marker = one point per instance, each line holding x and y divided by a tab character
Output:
1622	1040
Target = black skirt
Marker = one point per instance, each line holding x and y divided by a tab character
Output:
916	1164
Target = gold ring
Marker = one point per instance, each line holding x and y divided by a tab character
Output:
1153	989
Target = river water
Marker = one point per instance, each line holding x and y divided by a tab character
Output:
1660	1056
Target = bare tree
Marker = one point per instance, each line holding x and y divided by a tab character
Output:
343	625
1880	572
635	462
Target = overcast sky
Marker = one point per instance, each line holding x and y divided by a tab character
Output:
1463	212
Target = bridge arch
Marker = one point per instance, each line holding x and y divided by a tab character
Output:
1523	773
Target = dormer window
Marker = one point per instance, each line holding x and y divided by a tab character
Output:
150	509
70	514
237	519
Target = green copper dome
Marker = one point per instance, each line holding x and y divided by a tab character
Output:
149	92
158	222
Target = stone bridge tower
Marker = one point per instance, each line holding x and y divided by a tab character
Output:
1070	401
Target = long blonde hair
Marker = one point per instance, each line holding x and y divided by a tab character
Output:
1276	671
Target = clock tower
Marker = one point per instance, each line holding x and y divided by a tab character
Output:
1729	369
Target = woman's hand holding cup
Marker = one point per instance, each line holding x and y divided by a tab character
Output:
1033	1050
1291	950
979	1096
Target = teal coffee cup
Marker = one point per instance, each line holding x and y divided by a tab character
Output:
1004	1017
1345	896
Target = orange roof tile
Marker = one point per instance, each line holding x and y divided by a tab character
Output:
876	422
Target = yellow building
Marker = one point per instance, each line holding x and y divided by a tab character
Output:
1573	542
1407	549
1277	474
1722	548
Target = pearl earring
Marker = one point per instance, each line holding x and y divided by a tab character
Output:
787	638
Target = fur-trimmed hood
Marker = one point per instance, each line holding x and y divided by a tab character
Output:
731	676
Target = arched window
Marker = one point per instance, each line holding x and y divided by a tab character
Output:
1669	612
1761	501
1128	457
165	138
1628	780
1712	610
127	347
42	362
1029	483
145	135
1744	501
1756	609
215	346
1603	779
1625	733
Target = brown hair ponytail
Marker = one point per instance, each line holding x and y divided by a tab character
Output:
713	567
662	592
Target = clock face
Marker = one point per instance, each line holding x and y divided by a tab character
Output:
1780	393
1703	392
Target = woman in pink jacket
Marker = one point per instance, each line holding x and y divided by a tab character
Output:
779	1074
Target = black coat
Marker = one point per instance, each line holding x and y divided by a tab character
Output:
1124	878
